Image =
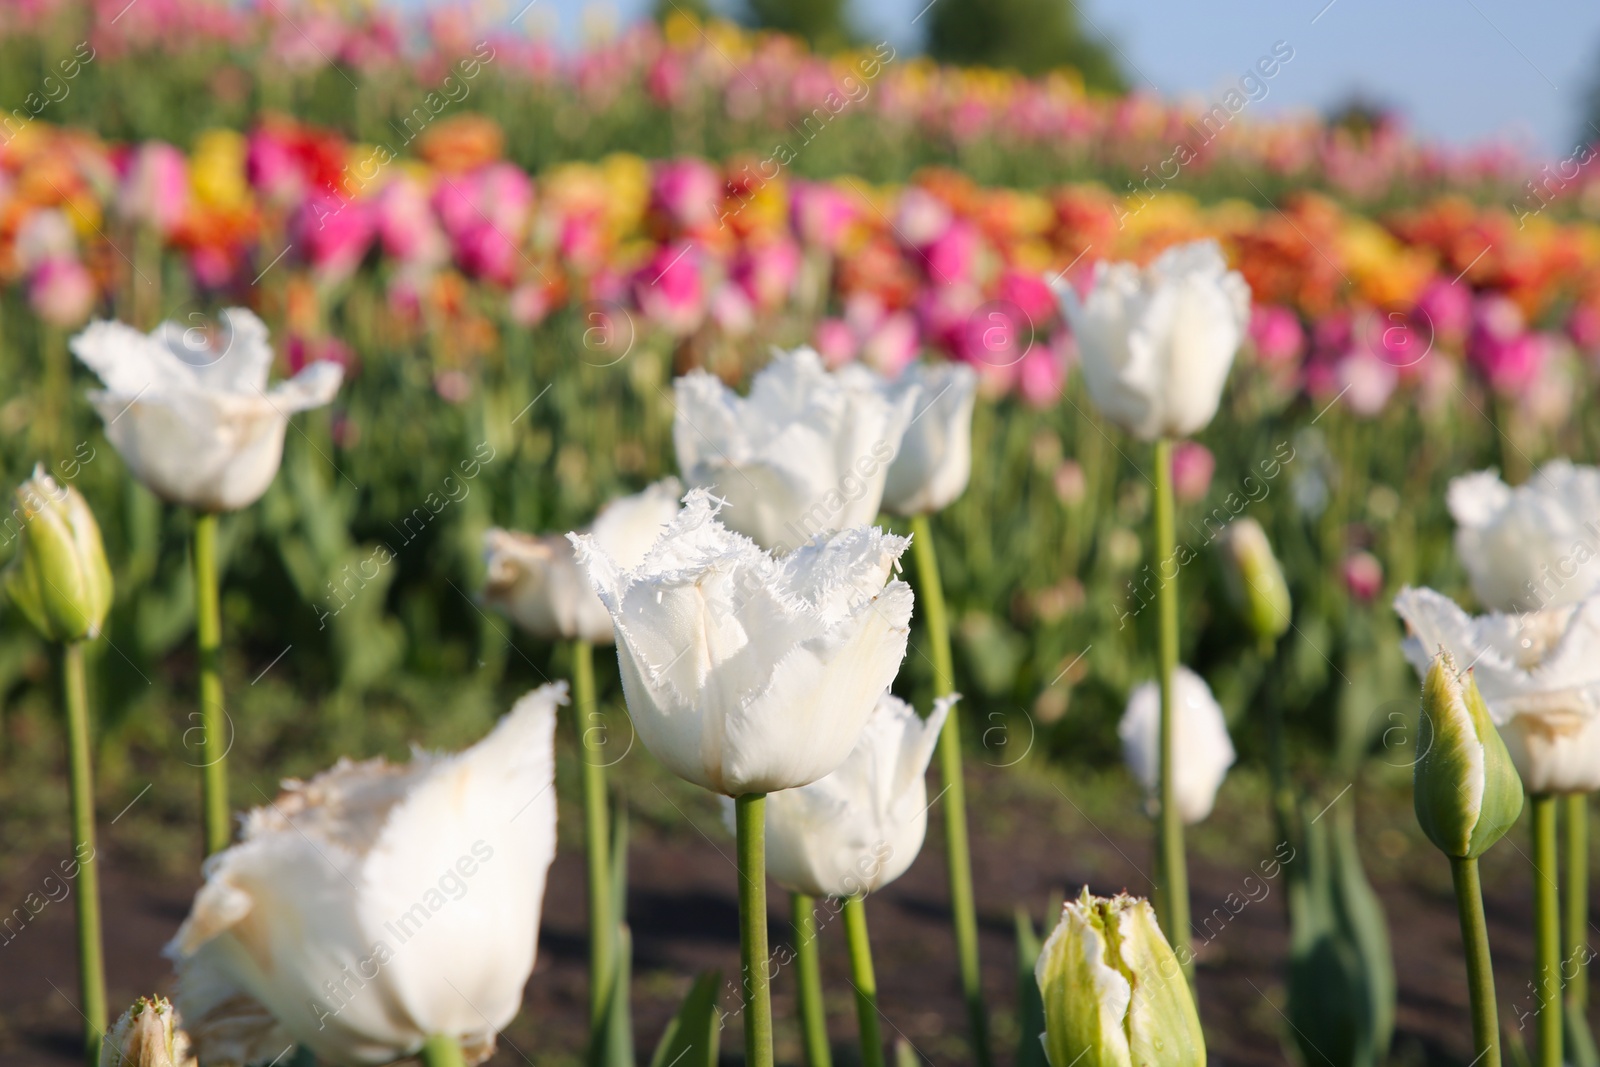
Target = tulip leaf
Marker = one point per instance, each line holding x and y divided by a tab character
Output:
1030	1003
691	1038
619	1015
1341	973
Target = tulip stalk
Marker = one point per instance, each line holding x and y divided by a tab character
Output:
808	977
91	967
1480	972
602	940
208	632
1575	819
958	853
865	982
1547	929
1174	873
441	1050
750	830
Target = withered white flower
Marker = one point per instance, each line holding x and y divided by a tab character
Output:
745	673
1156	343
806	453
537	581
1539	673
191	414
377	904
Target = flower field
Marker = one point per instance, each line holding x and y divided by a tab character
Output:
1167	435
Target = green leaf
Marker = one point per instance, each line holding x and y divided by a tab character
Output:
1030	1004
691	1037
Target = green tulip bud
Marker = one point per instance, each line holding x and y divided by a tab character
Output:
59	578
1465	787
1114	994
147	1035
1254	579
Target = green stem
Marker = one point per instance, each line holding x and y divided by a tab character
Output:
1547	929
958	851
91	969
1575	818
1480	973
208	630
866	983
602	939
1174	872
441	1050
750	828
808	976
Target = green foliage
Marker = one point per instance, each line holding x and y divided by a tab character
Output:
1341	972
691	1038
823	24
1030	1005
1032	36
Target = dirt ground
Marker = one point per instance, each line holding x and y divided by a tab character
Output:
1033	835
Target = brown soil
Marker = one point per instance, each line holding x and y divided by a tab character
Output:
683	914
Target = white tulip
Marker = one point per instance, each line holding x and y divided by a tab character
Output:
1535	546
537	580
1539	673
1202	752
1156	343
935	458
377	904
806	453
749	674
858	829
196	423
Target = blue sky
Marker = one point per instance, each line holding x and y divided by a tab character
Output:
1460	70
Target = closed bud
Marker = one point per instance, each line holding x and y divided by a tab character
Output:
1254	579
59	578
147	1035
1114	993
1466	790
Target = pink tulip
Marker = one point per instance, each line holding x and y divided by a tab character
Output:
1029	292
665	80
406	224
1366	381
1583	326
530	303
62	292
155	187
891	344
767	273
273	168
920	217
1277	334
333	234
1501	349
213	267
732	311
485	215
835	341
820	214
689	193
1192	468
1444	310
952	257
1363	576
669	289
1039	376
